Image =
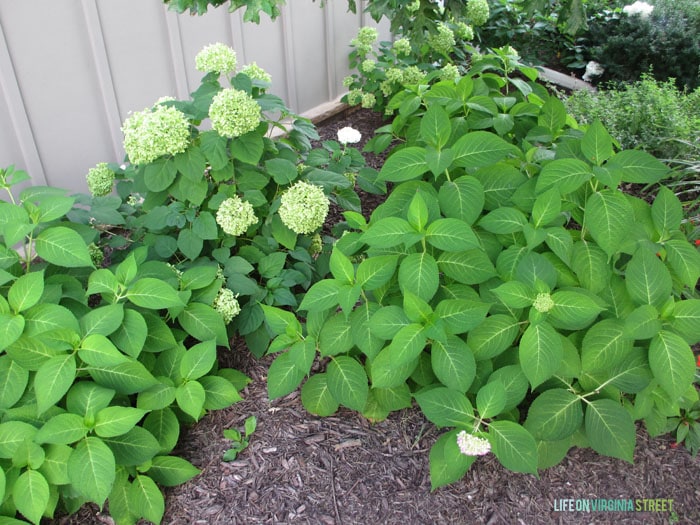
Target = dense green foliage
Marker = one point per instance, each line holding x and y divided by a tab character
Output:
410	18
507	285
646	114
99	365
666	43
502	285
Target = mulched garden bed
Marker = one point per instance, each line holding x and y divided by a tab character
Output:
301	469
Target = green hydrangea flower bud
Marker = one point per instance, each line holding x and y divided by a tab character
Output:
154	132
354	97
100	180
348	81
304	207
216	58
413	6
235	216
464	31
255	72
394	74
478	12
368	100
234	113
386	88
368	65
449	72
402	46
413	75
367	35
227	305
543	302
443	41
316	245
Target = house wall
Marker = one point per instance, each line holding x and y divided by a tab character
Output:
71	72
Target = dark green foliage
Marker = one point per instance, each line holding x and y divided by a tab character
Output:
667	43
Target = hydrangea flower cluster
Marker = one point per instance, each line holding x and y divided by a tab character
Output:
543	302
478	12
366	36
155	132
368	65
449	72
216	58
444	41
402	46
354	97
471	445
386	88
100	180
227	305
304	207
593	70
464	31
255	72
394	74
234	113
348	81
235	216
163	100
368	100
642	9
412	75
348	135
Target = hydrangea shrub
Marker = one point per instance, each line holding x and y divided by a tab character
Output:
231	197
507	285
100	363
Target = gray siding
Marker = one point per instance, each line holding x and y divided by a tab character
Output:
72	70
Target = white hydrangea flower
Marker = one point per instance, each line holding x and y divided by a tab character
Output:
100	180
155	132
471	445
234	113
255	72
226	303
216	58
348	135
593	69
304	207
642	9
235	216
163	100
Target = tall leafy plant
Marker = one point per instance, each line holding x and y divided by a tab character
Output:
507	285
99	366
237	198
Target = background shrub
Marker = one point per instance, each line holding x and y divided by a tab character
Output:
667	43
647	114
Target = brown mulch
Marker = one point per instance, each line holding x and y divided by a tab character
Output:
302	469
